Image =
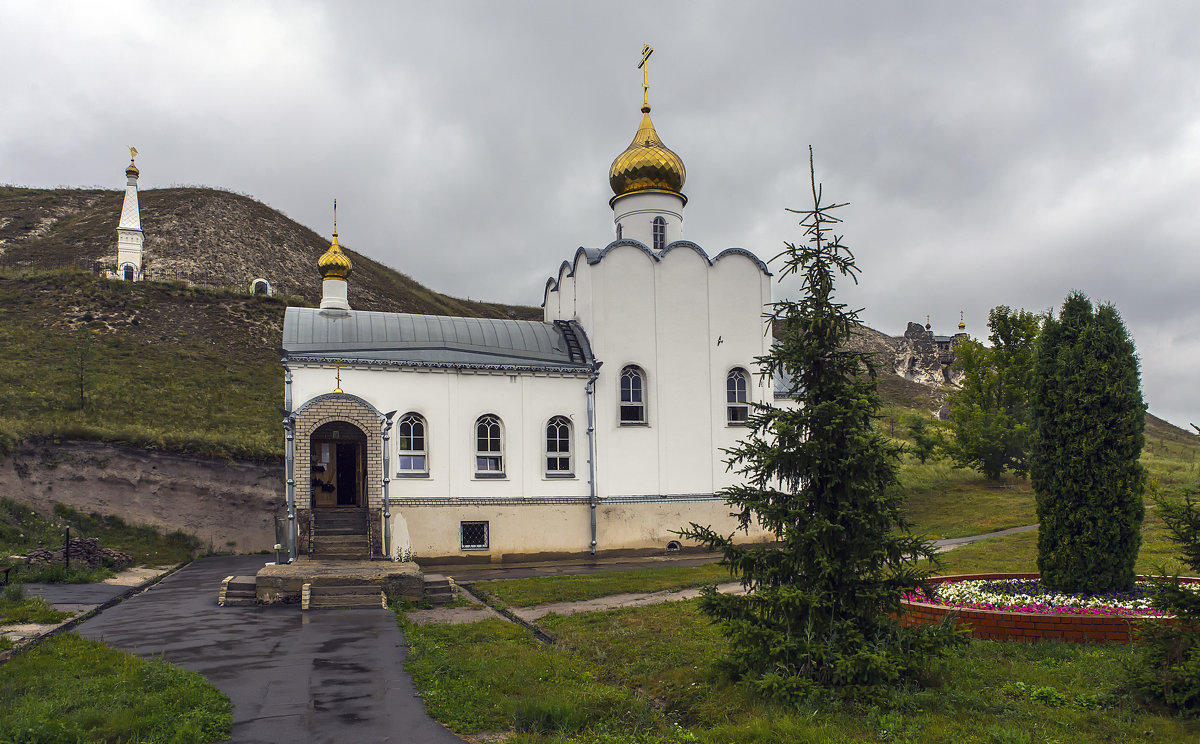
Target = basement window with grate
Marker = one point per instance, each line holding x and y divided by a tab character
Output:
474	535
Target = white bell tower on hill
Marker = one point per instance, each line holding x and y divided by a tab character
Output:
129	229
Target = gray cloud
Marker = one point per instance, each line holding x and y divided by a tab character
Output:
996	153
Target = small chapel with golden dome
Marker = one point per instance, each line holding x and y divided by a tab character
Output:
598	430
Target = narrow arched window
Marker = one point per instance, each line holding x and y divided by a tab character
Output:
660	233
633	396
620	231
558	447
489	447
410	438
736	398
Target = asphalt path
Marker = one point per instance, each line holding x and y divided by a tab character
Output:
293	676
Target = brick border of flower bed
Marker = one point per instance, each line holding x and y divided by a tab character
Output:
1005	625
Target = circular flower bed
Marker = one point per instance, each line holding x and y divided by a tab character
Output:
1017	606
1028	595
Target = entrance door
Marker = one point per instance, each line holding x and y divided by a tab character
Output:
338	450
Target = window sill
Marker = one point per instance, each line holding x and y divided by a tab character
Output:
491	476
559	476
737	424
474	550
634	423
412	475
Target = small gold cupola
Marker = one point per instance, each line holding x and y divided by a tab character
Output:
334	264
962	326
132	170
647	164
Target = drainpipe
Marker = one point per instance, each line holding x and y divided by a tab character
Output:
387	505
591	434
289	428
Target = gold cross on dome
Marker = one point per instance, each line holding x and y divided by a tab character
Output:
338	389
644	66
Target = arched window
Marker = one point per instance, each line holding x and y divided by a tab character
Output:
736	398
660	233
410	438
633	396
620	231
489	447
558	447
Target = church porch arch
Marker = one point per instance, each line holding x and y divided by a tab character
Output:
338	467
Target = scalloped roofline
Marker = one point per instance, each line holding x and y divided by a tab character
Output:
595	256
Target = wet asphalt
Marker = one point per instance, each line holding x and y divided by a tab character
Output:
293	676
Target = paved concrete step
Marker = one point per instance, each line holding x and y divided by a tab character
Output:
237	590
341	555
319	590
438	589
348	603
340	518
339	529
351	596
340	540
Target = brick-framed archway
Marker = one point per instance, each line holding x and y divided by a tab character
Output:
348	409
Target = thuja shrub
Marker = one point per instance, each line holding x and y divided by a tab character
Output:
1088	424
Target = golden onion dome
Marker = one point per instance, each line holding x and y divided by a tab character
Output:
333	264
132	170
647	164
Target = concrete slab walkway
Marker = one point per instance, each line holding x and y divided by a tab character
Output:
317	676
477	612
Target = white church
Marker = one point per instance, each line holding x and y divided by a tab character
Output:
598	430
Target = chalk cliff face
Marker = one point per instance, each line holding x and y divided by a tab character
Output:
918	359
229	505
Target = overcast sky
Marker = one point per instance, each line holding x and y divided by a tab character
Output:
992	153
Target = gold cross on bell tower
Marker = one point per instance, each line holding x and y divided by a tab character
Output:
338	389
644	66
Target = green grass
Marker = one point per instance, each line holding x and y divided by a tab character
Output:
73	690
649	674
536	591
942	501
165	366
1018	553
16	608
23	528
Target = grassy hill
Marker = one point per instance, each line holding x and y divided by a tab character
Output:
187	360
207	237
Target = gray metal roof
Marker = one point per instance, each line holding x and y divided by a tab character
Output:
433	340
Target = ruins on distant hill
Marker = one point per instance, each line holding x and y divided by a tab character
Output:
925	357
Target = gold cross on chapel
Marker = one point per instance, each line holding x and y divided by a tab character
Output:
644	66
338	389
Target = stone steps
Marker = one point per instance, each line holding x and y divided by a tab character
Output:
351	596
238	591
439	590
340	535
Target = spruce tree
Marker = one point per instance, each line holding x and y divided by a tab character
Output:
820	607
1088	421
